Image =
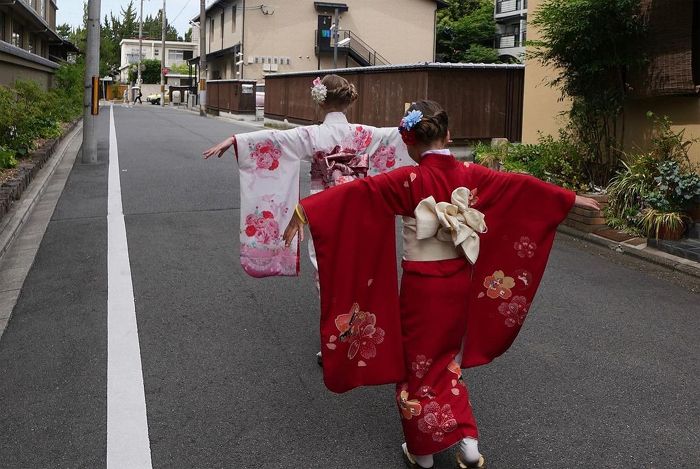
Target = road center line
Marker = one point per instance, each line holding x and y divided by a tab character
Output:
127	426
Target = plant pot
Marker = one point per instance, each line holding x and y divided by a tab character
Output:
671	233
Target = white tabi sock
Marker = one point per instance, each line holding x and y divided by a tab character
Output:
424	461
470	450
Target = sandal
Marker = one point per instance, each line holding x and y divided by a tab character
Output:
409	460
462	464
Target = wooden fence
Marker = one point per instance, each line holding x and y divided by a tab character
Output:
236	96
483	101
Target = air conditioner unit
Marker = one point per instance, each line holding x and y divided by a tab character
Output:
266	67
250	59
274	68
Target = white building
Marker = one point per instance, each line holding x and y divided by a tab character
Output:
176	53
511	25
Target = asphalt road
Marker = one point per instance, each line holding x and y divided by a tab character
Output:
605	373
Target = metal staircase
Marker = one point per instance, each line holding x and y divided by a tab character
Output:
355	48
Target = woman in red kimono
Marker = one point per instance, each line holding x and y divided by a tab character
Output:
476	243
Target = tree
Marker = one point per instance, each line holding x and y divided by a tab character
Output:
465	32
593	45
188	35
150	73
64	30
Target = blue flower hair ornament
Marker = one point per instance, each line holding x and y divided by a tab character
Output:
407	124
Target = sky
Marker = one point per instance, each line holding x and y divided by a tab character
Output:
71	11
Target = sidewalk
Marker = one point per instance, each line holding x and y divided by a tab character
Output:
22	228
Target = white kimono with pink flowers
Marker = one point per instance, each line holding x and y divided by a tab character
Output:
270	163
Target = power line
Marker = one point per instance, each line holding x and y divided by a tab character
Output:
183	9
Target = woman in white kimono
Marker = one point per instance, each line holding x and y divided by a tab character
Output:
269	163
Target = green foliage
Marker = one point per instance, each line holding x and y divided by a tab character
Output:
7	159
480	54
66	96
149	75
662	224
181	69
593	45
558	161
650	184
466	31
115	28
675	190
28	113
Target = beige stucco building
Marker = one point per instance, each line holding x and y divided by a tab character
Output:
671	88
27	38
248	40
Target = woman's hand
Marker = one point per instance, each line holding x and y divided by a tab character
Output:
296	225
586	202
218	149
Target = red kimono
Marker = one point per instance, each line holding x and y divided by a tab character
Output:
448	308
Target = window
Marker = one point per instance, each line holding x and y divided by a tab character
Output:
2	26
175	56
223	12
17	35
211	29
234	14
30	43
42	11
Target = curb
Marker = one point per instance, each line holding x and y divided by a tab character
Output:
648	254
33	188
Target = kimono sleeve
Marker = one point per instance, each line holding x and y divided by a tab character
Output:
353	232
522	214
269	164
387	151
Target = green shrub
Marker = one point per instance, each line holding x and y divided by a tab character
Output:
7	159
28	113
558	161
661	180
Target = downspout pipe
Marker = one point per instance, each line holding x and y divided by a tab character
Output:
243	42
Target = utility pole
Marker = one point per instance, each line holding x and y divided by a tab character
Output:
91	99
138	80
162	58
202	58
336	20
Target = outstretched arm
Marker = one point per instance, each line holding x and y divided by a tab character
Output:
586	202
220	148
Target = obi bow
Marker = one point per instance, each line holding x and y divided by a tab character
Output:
452	222
341	167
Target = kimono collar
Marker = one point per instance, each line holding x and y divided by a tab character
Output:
438	158
335	118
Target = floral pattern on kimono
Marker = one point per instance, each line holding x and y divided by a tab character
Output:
504	272
269	165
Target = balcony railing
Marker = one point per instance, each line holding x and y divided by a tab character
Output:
508	41
507	6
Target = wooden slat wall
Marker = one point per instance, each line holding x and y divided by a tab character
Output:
227	96
483	103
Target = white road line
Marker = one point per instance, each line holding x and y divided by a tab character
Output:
128	446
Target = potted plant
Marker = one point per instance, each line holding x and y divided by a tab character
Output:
665	215
664	225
